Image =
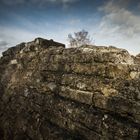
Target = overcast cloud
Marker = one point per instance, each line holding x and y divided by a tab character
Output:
120	25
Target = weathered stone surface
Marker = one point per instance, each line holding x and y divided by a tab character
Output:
49	92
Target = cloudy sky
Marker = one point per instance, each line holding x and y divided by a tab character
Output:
109	22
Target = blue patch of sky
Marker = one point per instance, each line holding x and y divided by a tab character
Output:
52	12
134	6
51	17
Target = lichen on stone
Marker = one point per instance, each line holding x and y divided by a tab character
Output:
49	92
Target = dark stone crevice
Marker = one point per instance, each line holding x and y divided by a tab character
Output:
49	92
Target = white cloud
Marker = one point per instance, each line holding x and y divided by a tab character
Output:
3	43
127	21
74	21
120	26
10	36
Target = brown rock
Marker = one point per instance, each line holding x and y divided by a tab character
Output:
49	92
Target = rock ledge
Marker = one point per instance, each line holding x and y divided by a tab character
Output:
49	92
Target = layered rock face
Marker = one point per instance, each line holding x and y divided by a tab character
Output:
49	92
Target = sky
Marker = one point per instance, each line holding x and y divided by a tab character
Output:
109	22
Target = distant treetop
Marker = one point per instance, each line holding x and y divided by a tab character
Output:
80	38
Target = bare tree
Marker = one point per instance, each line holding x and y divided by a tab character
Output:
80	38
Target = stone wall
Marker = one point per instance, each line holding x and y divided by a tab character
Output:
57	93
